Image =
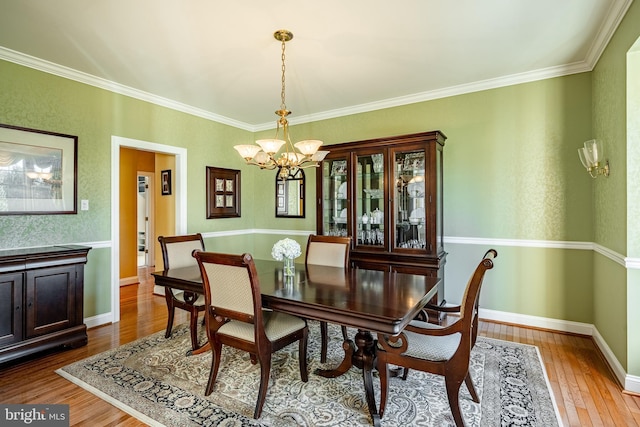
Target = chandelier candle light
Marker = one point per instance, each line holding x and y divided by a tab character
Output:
286	250
264	154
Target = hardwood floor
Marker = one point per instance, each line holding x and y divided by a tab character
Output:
585	390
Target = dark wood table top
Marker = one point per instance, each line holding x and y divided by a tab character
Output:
371	300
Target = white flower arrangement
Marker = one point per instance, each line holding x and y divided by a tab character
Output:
286	248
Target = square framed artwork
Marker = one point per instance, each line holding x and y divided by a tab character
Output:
223	193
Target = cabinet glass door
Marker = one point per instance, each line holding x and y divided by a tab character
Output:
409	199
335	197
370	199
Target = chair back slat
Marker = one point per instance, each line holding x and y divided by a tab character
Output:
230	287
176	250
331	251
472	290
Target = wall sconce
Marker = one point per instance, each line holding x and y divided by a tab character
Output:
591	155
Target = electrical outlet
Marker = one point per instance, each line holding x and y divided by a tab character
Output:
84	205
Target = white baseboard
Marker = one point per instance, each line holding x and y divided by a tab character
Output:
129	281
632	384
99	320
629	382
538	322
611	359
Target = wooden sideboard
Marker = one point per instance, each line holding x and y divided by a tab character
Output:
41	299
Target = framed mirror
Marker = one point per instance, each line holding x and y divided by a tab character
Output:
290	196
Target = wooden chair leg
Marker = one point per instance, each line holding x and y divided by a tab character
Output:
453	389
193	326
323	342
345	336
383	372
471	388
170	311
405	373
265	370
216	354
302	356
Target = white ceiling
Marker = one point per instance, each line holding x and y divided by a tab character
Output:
219	59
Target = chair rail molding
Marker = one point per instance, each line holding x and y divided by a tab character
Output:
550	244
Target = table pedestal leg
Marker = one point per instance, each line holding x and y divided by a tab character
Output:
363	357
347	362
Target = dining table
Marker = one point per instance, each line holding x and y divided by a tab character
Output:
370	301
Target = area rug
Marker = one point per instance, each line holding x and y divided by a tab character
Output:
153	380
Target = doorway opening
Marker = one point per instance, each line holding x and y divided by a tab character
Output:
145	235
179	211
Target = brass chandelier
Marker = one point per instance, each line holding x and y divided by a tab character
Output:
264	155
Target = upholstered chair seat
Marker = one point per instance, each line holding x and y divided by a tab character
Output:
429	347
276	325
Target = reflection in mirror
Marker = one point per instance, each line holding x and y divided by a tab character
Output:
290	196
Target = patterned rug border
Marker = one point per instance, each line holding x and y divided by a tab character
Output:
107	398
238	412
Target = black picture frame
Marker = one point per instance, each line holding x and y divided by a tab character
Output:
165	182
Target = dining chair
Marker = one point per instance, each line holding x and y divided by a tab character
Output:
442	350
176	253
234	316
331	251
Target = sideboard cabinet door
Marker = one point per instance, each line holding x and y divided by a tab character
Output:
50	300
10	308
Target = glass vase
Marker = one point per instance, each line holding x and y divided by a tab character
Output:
289	269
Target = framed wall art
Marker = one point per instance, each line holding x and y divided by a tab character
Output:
223	193
38	172
165	182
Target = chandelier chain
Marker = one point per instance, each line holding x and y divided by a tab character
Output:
283	105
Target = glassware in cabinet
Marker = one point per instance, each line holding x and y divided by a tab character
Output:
410	211
335	200
370	199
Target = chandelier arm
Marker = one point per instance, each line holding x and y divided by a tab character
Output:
268	166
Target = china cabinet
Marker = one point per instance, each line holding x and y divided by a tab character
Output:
386	194
41	299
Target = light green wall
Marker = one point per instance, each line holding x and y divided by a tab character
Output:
550	283
97	287
633	200
510	156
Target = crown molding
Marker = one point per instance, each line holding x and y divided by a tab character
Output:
81	77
